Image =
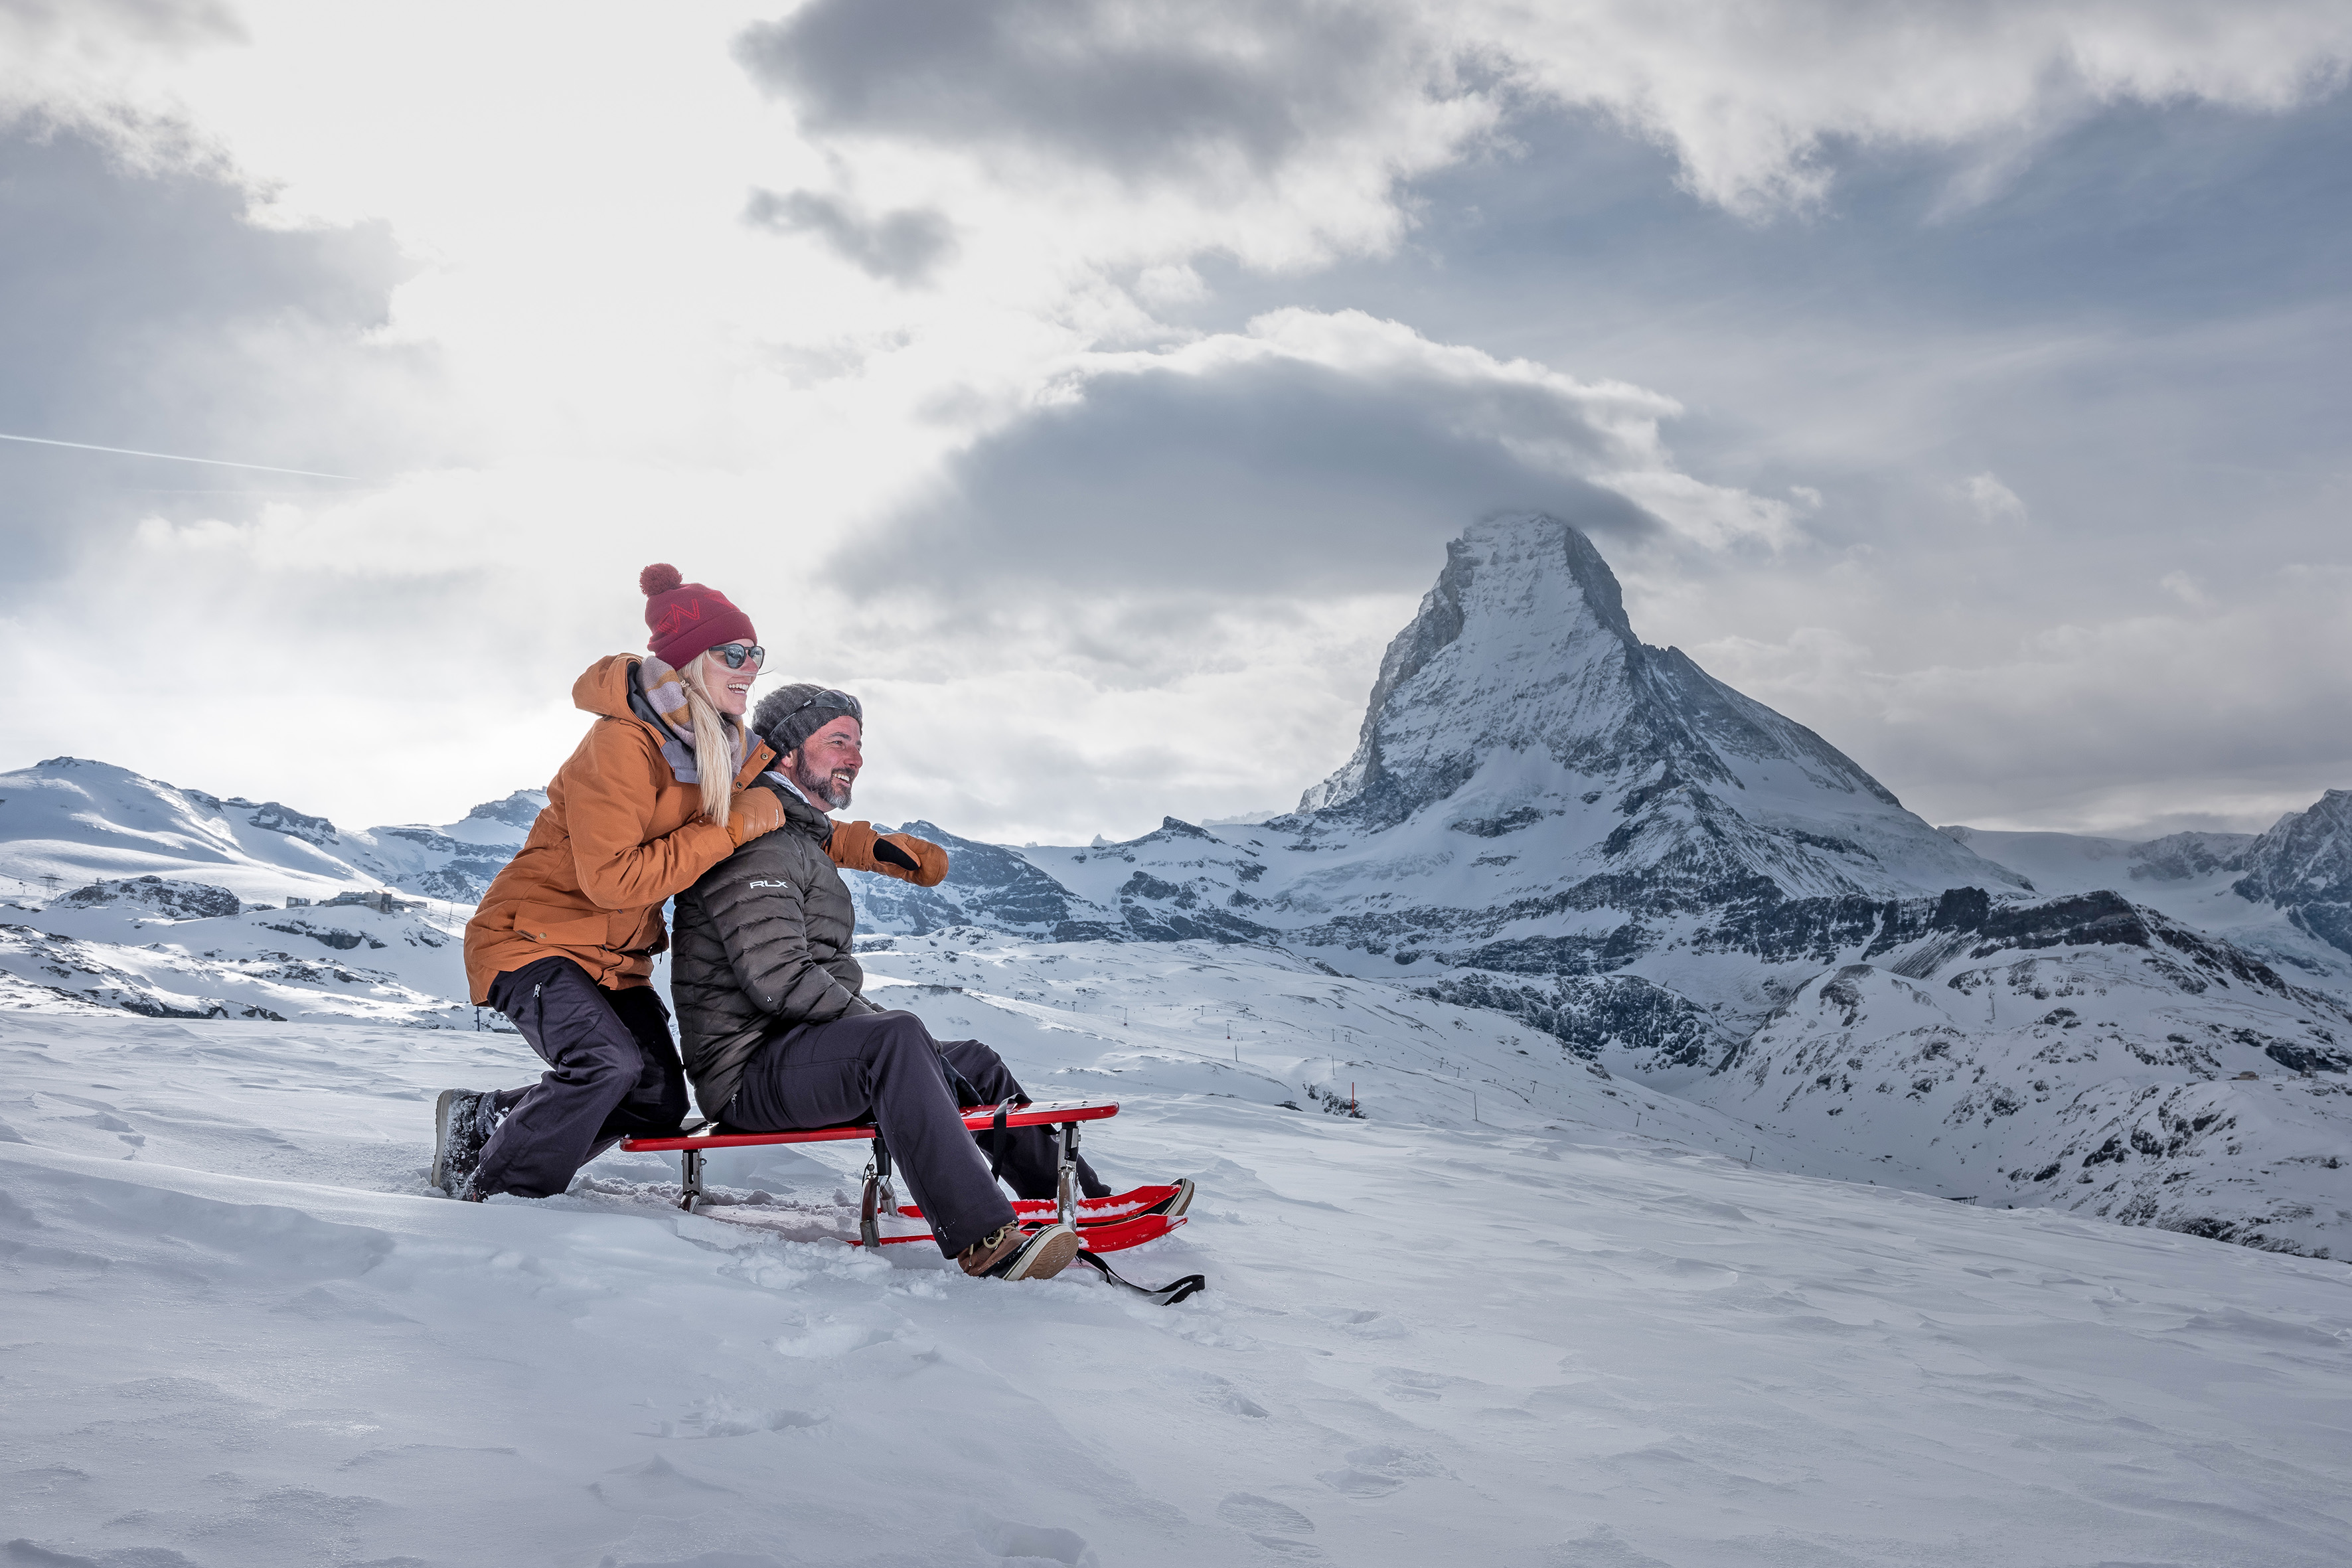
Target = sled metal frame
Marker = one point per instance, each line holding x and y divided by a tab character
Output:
879	1198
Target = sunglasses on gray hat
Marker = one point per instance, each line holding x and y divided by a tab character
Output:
838	700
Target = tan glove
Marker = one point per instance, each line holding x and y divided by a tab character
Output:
930	867
856	846
751	812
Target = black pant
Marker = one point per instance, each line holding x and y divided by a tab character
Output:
612	1073
887	1066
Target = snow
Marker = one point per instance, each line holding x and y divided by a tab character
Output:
239	1334
326	964
2085	1080
1575	1100
2191	877
77	821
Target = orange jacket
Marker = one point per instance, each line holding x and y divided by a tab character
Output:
620	834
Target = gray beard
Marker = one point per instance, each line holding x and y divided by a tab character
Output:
820	791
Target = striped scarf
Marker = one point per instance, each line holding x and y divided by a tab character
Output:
664	690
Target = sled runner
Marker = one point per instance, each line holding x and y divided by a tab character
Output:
1105	1225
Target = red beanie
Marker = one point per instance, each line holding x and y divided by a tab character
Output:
687	618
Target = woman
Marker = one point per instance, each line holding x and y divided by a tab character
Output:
563	942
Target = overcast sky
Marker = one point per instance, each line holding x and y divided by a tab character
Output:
1092	387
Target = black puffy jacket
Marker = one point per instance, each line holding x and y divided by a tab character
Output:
761	943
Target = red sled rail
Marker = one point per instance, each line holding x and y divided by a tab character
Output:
1109	1225
978	1118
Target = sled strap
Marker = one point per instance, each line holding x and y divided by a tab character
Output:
999	1143
1166	1295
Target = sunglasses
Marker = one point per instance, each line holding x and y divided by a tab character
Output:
735	654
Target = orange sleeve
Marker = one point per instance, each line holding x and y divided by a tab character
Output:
610	786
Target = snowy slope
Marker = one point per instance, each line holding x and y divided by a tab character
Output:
237	1335
311	965
2153	1076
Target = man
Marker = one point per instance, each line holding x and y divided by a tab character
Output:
778	1034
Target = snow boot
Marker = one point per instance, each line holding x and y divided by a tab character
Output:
463	1121
1041	1256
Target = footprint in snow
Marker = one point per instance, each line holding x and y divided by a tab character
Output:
720	1418
1376	1471
655	1484
1034	1543
1273	1525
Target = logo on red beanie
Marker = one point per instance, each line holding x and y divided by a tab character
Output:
687	618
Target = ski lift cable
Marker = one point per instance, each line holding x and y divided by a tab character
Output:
176	457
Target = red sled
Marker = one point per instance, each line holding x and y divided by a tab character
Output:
1105	1225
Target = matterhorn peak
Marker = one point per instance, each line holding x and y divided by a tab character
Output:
1520	690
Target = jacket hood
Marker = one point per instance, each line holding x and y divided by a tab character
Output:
603	688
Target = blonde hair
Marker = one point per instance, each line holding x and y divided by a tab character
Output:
714	753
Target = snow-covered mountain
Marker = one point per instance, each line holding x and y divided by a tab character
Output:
1548	818
2083	1054
2284	895
1535	790
68	822
1518	705
136	894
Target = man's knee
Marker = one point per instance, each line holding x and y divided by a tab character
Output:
895	1034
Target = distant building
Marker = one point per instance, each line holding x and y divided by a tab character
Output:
377	899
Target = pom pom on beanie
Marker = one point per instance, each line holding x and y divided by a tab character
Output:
687	618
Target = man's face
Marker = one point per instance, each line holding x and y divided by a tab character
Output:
828	762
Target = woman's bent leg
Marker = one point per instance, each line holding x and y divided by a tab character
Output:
1032	1156
594	1062
885	1064
656	1105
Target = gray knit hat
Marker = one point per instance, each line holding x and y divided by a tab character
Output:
789	715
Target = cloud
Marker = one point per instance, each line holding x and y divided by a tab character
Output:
1143	89
1754	97
2096	724
143	309
62	49
1337	102
900	247
1314	453
1135	132
1994	501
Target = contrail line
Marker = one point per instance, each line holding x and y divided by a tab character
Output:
175	457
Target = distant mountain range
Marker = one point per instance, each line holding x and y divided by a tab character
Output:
130	893
1544	817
